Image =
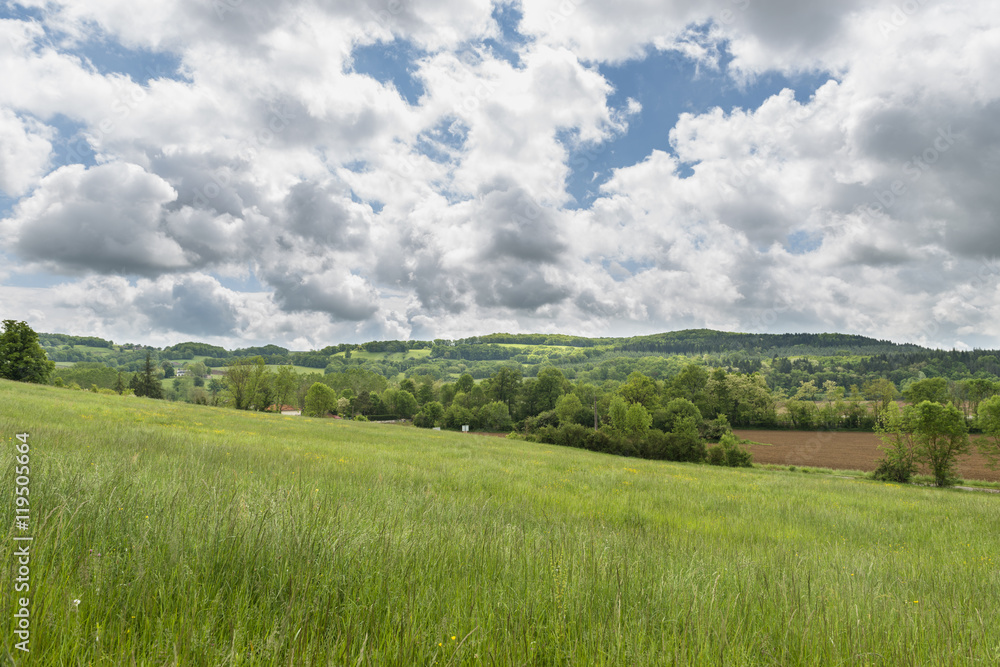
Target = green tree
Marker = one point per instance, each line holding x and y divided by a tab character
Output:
241	377
285	382
568	407
147	383
690	383
882	392
168	369
678	409
637	420
494	417
120	384
898	462
640	389
505	384
404	404
930	389
807	391
685	440
429	416
941	437
320	400
464	383
802	413
425	393
989	422
22	359
617	411
264	391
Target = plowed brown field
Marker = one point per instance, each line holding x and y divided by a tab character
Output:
840	451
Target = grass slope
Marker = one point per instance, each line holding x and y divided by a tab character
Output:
201	536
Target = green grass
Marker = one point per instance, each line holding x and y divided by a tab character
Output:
542	349
380	356
201	536
301	370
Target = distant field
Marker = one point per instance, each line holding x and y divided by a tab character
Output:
301	370
379	356
167	534
840	451
542	348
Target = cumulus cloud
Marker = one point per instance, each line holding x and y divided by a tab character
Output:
25	148
105	219
869	205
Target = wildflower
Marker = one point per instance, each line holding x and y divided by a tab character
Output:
76	603
453	638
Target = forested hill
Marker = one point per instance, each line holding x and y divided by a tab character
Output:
502	346
708	341
784	360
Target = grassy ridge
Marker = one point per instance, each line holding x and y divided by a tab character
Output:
231	538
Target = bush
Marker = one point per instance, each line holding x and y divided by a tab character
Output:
547	418
730	453
714	429
716	456
894	469
685	443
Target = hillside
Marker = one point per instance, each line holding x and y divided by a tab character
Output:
784	360
171	533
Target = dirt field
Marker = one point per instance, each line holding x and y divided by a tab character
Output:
843	451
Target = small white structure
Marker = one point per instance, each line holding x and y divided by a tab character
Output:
465	428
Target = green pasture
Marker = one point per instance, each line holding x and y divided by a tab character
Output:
193	535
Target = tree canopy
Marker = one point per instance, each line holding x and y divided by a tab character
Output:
21	357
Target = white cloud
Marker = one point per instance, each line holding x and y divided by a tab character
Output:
866	207
105	219
25	149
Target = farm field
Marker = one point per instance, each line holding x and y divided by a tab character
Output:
422	353
841	451
168	533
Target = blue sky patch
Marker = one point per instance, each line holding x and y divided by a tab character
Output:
803	242
393	63
667	84
508	18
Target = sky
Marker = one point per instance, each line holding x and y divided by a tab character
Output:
327	171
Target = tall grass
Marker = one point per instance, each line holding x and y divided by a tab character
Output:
200	536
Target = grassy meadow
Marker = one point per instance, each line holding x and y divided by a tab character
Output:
201	536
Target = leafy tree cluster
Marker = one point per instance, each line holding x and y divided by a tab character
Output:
22	359
57	340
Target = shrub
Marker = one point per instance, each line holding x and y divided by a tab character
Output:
716	428
730	453
894	469
685	443
716	456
